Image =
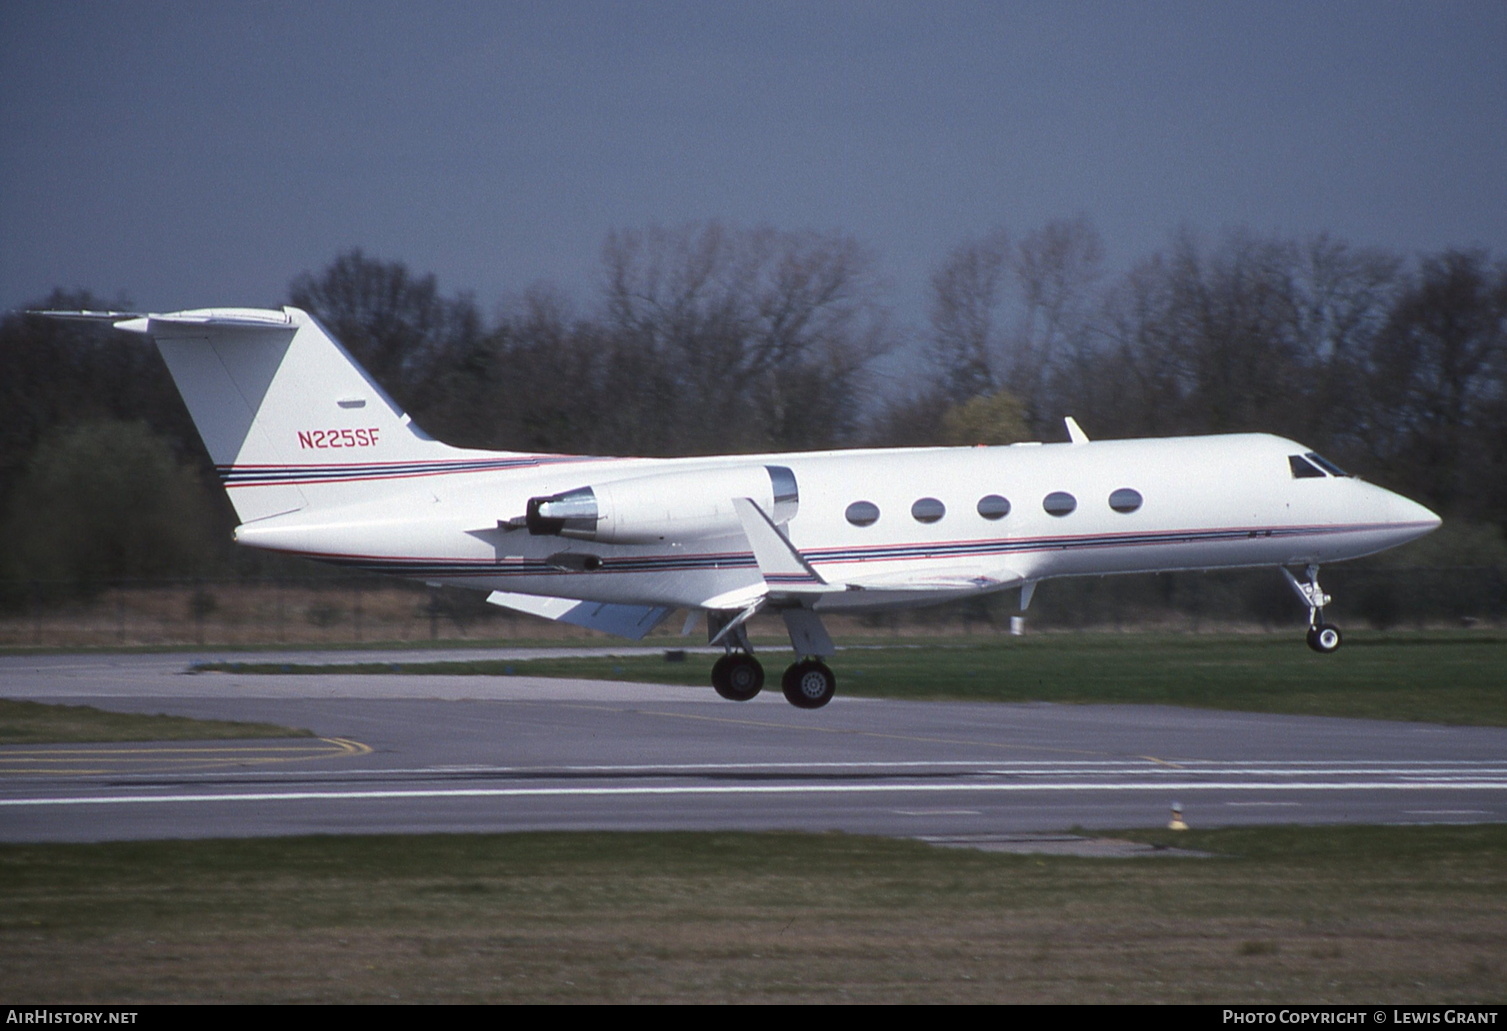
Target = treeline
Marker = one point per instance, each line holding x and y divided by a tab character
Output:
711	339
702	340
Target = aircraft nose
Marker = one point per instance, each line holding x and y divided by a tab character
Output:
1408	518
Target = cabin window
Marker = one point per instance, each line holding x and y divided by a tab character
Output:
1325	464
1125	500
1059	503
863	513
992	506
928	510
1303	469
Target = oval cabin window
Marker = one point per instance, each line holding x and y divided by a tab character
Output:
928	510
1125	500
863	513
992	506
1059	503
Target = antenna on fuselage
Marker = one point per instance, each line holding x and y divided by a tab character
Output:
1075	432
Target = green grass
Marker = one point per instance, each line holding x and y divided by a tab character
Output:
1447	677
25	723
1341	914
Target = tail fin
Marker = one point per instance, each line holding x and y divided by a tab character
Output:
289	418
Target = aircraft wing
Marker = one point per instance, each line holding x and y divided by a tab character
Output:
788	578
630	621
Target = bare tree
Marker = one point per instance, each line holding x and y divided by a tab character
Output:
1058	268
757	338
1133	385
1341	299
397	324
1253	333
1437	383
967	293
533	382
1006	316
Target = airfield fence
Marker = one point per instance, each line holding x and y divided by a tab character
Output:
337	610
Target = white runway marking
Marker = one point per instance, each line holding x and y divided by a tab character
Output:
759	789
939	812
1436	770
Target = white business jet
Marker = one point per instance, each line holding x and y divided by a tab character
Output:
320	463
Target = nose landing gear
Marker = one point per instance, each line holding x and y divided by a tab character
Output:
1323	637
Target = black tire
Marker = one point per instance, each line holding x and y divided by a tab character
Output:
738	677
809	684
1325	638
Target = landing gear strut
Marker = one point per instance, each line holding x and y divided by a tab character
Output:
737	676
1322	637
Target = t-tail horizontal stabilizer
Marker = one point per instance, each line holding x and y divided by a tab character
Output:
630	621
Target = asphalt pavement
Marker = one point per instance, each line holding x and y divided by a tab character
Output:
399	753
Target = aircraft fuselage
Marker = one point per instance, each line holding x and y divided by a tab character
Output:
1185	503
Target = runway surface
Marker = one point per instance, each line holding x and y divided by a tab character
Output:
402	753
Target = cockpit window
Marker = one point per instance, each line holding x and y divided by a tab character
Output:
1325	464
1303	469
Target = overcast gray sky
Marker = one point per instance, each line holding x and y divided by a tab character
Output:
203	153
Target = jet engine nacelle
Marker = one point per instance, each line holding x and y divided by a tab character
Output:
674	506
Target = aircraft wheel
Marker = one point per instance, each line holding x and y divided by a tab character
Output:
738	677
1325	638
809	684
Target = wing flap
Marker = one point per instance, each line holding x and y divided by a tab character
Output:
630	621
934	580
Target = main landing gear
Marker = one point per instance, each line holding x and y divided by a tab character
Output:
1323	637
807	684
738	676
